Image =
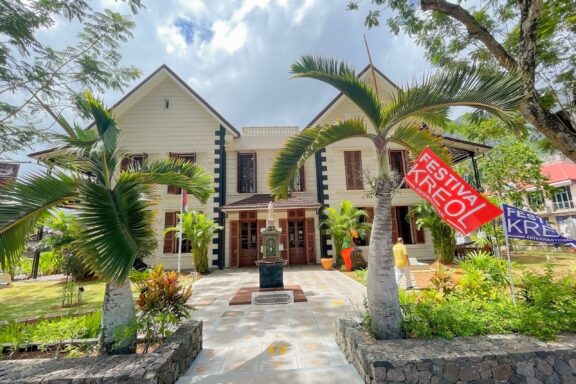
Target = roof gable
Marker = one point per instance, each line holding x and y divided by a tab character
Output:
155	78
366	76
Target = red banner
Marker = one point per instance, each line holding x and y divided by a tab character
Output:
457	203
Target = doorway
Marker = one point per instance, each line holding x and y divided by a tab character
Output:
248	244
296	242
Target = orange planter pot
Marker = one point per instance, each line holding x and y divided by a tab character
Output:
327	263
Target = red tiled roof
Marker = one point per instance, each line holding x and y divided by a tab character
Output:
559	171
261	202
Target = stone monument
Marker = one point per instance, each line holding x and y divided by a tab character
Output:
271	265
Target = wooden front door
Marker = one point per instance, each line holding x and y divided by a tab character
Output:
296	242
248	244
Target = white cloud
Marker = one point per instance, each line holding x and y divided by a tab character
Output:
228	37
173	41
194	6
302	11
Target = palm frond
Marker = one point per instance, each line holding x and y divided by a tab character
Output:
343	78
103	120
300	147
115	227
416	139
180	173
496	93
24	203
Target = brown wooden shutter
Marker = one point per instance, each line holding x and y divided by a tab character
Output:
234	246
310	234
284	238
359	179
124	164
353	170
394	225
255	174
302	179
260	225
349	169
169	221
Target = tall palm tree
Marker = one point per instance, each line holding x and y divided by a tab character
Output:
399	120
113	206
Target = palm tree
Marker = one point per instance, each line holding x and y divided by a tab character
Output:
339	224
113	209
399	120
443	235
199	230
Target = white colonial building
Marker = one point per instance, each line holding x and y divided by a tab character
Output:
163	117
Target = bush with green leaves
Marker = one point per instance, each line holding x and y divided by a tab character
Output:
161	304
49	332
484	275
545	305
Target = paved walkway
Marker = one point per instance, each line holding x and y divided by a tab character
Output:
293	343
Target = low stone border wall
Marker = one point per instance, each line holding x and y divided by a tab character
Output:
478	360
163	366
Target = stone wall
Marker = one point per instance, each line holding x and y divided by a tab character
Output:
479	360
163	366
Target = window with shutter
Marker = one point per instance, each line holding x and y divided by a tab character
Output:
134	162
353	170
189	157
399	164
299	183
246	172
171	238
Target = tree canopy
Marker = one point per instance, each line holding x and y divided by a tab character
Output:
531	37
35	76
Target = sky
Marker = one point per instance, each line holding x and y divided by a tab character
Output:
236	53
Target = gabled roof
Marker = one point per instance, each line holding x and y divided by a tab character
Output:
340	95
261	201
164	69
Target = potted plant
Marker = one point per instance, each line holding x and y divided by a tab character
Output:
340	224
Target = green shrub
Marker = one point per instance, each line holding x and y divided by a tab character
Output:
362	275
161	304
51	331
73	265
546	305
484	275
50	263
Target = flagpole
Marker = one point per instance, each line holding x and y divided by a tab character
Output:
180	229
505	229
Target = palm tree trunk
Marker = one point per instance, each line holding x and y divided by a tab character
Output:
383	301
118	334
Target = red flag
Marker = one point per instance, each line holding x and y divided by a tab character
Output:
457	203
184	200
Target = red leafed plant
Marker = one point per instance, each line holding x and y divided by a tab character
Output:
162	304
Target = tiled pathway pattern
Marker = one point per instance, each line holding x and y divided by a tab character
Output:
291	343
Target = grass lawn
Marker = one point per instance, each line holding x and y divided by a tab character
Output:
27	299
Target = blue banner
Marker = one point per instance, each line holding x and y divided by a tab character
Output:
520	224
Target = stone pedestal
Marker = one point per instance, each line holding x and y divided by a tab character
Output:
271	272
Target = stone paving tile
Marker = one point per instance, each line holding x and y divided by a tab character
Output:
273	343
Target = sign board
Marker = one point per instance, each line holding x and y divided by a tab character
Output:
8	172
520	224
457	203
277	297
